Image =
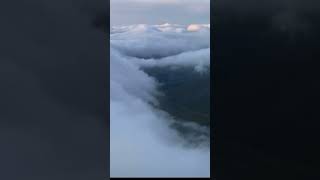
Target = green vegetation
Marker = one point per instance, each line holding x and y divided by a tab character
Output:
186	93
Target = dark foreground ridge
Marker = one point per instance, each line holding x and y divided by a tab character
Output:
186	93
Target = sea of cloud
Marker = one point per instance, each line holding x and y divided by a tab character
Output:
142	144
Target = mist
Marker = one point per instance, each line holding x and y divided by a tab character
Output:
142	142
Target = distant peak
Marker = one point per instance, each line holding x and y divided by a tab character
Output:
197	27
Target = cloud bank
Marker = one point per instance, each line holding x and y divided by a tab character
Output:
141	142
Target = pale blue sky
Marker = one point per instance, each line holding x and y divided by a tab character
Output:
126	12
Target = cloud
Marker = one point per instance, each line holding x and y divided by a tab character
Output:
142	144
199	59
156	41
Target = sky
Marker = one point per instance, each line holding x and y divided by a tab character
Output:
127	12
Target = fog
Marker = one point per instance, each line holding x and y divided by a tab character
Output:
142	144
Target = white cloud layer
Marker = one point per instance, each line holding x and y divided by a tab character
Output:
141	142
